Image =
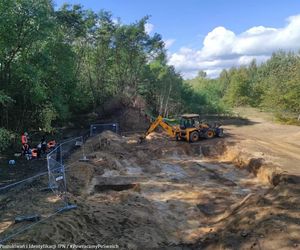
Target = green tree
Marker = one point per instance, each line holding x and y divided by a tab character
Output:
237	93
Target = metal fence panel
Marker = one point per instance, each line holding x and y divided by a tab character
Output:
28	202
67	152
25	204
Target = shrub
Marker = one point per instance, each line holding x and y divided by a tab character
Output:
5	139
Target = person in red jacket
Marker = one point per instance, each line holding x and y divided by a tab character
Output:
25	146
24	138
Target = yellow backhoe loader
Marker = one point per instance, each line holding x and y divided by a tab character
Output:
190	129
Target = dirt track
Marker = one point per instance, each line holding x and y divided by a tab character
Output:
264	138
173	195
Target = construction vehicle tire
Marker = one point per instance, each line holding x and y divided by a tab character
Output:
220	133
178	138
194	136
209	134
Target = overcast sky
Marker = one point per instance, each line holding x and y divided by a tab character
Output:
214	34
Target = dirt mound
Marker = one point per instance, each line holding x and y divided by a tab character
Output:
127	111
125	220
111	136
133	119
80	175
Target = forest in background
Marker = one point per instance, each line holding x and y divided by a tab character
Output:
57	63
273	86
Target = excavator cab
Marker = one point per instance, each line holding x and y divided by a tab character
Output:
192	129
189	121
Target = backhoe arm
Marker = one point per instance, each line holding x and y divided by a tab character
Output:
159	122
154	125
168	128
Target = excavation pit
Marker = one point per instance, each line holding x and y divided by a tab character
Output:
114	183
116	187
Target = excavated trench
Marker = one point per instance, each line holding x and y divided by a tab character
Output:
103	184
114	187
159	194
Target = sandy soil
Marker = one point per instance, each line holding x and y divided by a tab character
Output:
266	139
215	194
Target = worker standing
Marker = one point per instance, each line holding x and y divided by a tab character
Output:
25	146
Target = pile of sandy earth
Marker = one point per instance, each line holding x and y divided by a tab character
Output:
165	194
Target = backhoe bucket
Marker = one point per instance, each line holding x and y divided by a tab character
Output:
141	139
